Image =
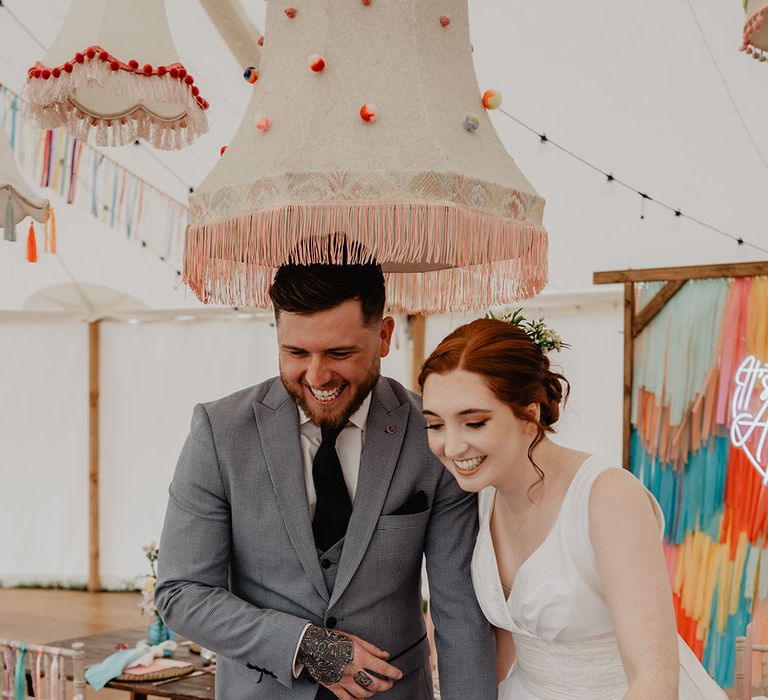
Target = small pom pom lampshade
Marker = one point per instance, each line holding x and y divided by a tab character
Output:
755	37
113	75
445	210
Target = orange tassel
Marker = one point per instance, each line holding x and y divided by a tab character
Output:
31	244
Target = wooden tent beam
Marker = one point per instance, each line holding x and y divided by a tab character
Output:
94	349
629	367
691	272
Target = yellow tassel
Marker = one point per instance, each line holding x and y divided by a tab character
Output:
50	232
31	244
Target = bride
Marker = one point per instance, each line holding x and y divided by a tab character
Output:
568	563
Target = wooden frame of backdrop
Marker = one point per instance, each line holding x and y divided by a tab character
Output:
635	322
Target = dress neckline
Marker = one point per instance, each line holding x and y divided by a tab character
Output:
553	527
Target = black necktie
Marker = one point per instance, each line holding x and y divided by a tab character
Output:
333	507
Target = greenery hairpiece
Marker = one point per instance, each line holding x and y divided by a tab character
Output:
537	331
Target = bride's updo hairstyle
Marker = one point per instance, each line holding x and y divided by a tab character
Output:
513	366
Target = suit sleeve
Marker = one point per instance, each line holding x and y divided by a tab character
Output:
192	593
466	649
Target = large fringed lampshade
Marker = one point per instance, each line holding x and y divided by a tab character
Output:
113	75
17	199
367	120
755	38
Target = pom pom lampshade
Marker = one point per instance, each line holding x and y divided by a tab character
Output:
113	74
17	199
358	126
755	38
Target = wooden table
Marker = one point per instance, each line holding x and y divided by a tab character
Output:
99	646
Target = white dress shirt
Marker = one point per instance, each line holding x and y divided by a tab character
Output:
349	447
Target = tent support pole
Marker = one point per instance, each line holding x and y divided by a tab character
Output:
94	345
418	324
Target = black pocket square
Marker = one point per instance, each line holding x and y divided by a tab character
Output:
415	504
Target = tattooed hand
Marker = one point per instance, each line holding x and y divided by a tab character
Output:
326	654
346	664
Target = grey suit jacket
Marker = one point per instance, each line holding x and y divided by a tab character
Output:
239	572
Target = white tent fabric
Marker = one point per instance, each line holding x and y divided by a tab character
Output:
631	86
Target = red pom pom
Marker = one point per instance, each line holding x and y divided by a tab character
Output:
147	69
222	149
290	12
445	20
68	67
174	72
195	90
206	104
162	70
36	73
79	57
103	55
90	53
188	79
45	74
115	65
182	72
260	41
133	63
56	72
366	2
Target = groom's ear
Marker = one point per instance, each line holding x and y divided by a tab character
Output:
385	335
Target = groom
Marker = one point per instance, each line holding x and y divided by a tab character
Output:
300	510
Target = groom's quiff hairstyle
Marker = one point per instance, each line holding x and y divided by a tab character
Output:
309	288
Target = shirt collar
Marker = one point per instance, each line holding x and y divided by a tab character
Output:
359	418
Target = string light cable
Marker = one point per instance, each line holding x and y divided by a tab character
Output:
644	196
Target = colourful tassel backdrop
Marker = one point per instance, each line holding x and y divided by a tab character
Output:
713	498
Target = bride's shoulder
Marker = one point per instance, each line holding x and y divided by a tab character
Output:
618	497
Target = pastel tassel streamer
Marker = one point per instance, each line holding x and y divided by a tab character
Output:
10	221
20	676
55	679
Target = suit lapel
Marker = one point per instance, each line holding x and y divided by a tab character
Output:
384	433
277	418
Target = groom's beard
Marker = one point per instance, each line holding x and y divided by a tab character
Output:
338	418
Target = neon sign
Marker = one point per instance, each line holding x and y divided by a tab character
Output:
749	413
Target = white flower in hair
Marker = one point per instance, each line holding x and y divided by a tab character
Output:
546	338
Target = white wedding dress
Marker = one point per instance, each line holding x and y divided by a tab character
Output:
557	612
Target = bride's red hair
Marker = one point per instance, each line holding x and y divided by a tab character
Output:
514	367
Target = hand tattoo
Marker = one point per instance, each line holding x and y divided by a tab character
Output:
363	680
325	654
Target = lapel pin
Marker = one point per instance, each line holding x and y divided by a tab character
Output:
391	428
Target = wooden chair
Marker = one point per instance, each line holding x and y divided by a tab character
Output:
745	647
45	670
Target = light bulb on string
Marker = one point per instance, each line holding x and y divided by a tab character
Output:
643	198
542	149
608	185
674	223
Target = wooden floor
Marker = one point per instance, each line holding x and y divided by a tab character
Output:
41	616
